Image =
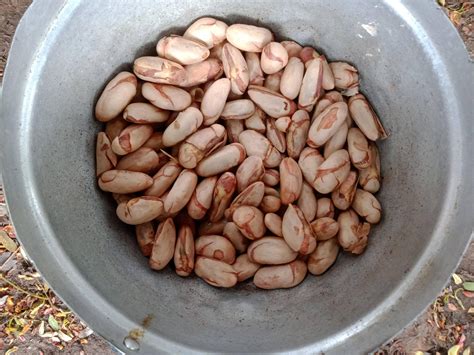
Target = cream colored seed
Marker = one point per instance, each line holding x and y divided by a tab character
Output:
200	144
181	191
105	157
159	70
201	199
216	247
297	133
114	127
343	196
291	180
187	122
235	68
273	223
297	232
163	179
214	272
184	251
249	220
367	206
163	248
280	276
272	81
352	235
257	121
324	228
258	145
238	109
181	50
222	195
166	97
221	160
145	234
292	48
327	124
214	100
307	202
365	118
140	210
271	251
141	112
292	78
271	102
124	181
238	240
144	160
323	257
325	208
275	136
251	196
244	267
116	96
358	148
271	177
250	171
270	204
274	58
208	31
199	73
211	228
370	177
131	138
248	38
332	173
256	76
311	86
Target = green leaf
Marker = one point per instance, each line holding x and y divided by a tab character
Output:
53	322
7	242
468	286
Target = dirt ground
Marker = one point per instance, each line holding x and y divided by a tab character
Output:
33	320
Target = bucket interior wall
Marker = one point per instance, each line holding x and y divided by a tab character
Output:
377	41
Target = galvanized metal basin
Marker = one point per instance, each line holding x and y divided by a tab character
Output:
414	70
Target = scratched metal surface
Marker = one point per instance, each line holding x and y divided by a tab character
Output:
414	70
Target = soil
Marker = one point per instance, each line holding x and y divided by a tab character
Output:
34	321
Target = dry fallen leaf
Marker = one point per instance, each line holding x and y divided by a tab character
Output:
7	242
48	335
25	329
468	294
3	300
84	333
457	279
455	17
11	350
454	350
41	329
64	337
452	307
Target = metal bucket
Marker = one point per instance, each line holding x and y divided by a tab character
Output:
413	68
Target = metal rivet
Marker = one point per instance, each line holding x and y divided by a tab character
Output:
131	344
